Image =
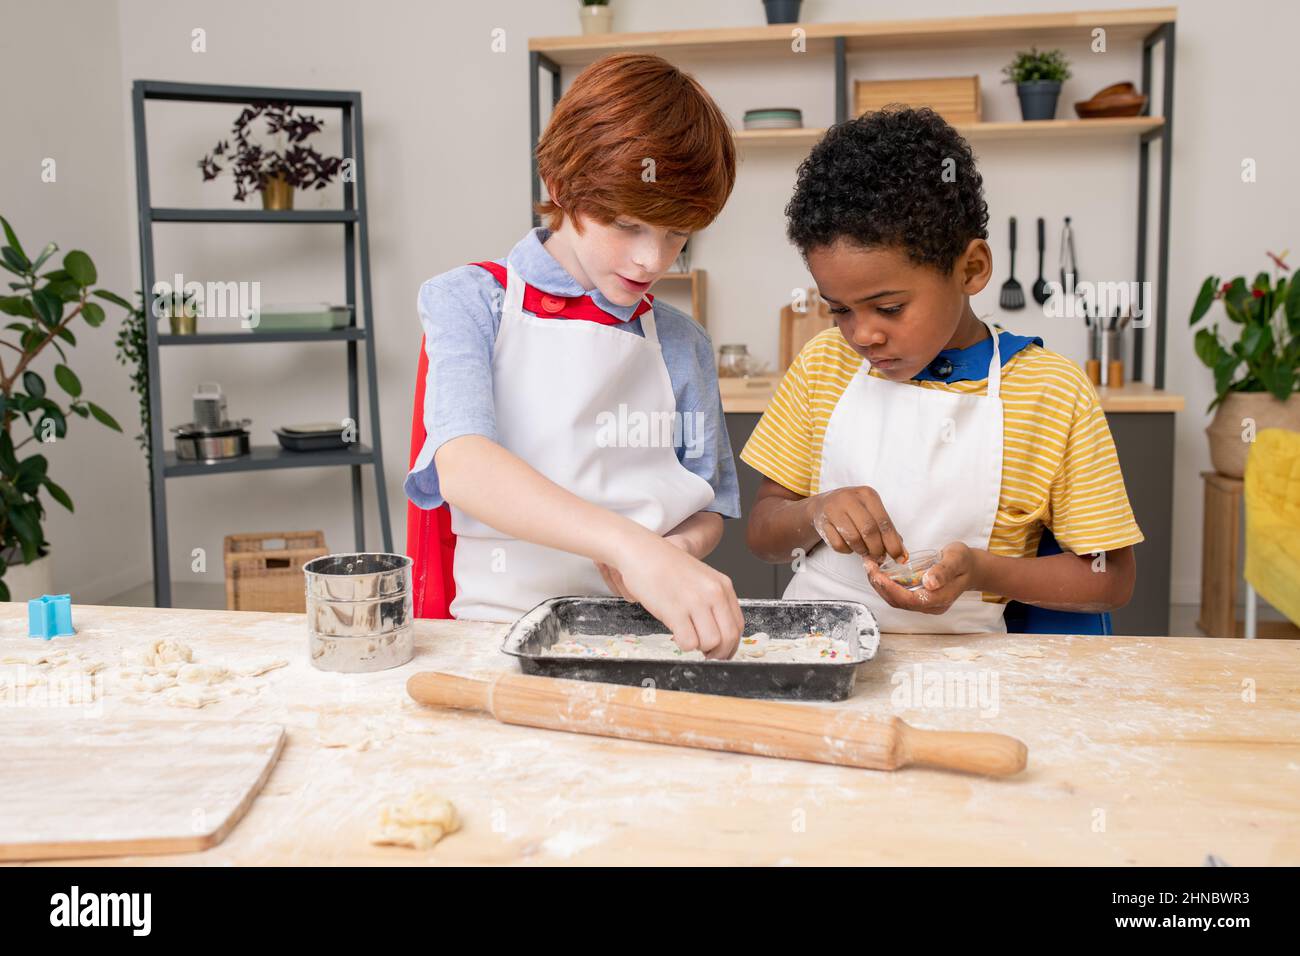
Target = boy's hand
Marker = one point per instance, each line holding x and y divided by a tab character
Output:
941	585
614	580
695	602
853	520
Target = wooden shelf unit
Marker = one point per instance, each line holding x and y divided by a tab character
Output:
1150	26
1041	28
978	132
696	279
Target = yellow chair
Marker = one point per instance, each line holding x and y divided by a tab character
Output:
1273	523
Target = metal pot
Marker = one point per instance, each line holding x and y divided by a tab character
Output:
196	443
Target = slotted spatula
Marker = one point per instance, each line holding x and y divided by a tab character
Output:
1013	297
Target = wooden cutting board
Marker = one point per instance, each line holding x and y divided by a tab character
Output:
86	787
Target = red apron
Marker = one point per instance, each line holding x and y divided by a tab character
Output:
429	539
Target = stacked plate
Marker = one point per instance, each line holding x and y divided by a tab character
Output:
774	118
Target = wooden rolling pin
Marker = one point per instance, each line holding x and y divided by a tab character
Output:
763	728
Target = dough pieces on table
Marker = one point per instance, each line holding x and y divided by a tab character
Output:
418	822
262	667
350	732
159	653
164	671
205	674
1022	651
58	674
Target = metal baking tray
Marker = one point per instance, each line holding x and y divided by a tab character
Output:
784	680
304	441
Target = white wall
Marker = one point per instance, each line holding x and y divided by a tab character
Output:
60	67
446	124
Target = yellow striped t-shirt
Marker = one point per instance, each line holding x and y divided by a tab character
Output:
1059	467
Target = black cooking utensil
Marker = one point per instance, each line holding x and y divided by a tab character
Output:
1040	287
1013	297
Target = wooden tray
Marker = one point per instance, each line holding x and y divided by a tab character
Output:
89	787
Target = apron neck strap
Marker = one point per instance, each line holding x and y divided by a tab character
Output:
514	298
648	325
995	366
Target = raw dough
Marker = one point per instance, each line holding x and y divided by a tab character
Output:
418	822
204	674
1019	651
350	732
166	652
261	667
961	653
166	670
153	683
815	647
192	697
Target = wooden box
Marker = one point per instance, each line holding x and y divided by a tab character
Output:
955	98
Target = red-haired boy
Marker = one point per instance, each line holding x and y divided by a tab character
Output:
572	425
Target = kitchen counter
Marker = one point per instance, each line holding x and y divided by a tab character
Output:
1141	751
741	395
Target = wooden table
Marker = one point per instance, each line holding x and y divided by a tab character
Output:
1141	751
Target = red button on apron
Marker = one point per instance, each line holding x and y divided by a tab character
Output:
551	304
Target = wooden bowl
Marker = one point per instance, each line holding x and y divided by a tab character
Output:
1118	99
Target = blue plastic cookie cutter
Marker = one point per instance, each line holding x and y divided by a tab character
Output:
50	615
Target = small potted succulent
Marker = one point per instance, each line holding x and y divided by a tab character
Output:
1256	377
274	172
596	16
1038	75
782	11
181	311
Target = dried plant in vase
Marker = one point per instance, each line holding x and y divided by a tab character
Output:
275	172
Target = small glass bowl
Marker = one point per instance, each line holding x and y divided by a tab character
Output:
909	573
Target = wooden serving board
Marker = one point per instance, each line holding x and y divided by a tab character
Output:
111	788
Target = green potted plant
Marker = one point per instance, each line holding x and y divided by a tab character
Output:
1256	377
42	317
276	172
596	16
181	311
1038	75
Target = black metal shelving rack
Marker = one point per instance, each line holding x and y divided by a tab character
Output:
356	245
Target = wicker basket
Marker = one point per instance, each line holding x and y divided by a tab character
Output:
261	578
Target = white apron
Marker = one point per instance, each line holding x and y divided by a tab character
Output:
935	458
556	386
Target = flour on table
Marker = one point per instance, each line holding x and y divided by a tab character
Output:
167	672
1019	651
350	732
961	653
153	683
192	697
419	822
262	667
159	653
57	675
205	674
815	647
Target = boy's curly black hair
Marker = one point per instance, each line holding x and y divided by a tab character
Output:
879	180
